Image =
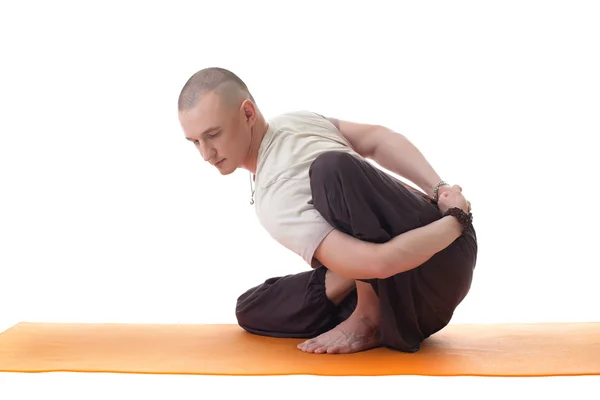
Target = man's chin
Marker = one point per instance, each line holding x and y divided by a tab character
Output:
226	170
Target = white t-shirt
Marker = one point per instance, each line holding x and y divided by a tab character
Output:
282	186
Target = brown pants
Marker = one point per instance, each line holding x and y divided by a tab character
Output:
363	201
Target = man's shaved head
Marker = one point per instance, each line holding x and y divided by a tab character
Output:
219	116
227	85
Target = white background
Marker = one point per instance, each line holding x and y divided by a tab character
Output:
107	214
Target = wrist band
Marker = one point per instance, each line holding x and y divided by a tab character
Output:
437	188
464	218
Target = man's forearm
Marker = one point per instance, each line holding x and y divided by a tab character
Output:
411	249
396	153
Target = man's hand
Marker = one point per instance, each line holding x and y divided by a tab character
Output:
446	188
452	197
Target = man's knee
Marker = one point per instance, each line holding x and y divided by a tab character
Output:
331	163
247	308
328	169
243	308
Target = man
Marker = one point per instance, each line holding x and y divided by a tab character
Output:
390	264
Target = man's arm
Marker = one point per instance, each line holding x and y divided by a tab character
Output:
392	150
358	259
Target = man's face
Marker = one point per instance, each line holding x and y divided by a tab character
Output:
221	134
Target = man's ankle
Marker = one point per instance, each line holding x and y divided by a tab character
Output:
367	306
337	287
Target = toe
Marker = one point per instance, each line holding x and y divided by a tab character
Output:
338	350
313	346
302	346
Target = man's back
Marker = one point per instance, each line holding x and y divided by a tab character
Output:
283	194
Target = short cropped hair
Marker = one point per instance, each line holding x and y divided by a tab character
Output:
221	81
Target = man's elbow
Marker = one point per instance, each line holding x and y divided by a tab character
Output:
381	270
360	269
374	263
380	266
388	265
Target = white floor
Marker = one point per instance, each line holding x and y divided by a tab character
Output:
15	386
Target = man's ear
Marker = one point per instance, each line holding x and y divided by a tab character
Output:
249	111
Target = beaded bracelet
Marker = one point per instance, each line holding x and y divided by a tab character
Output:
464	218
436	189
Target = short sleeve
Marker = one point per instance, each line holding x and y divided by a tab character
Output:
286	212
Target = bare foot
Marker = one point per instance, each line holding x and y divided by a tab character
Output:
357	333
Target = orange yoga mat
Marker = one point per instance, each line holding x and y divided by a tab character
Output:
478	350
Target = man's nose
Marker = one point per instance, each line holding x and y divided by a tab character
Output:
206	152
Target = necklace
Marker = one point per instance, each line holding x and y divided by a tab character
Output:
251	190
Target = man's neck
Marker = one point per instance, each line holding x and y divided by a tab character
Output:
258	133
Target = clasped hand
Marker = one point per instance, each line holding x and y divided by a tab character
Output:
451	196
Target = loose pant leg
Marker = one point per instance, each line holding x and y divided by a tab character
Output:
294	305
369	204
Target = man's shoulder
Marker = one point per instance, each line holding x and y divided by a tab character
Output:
296	115
305	121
